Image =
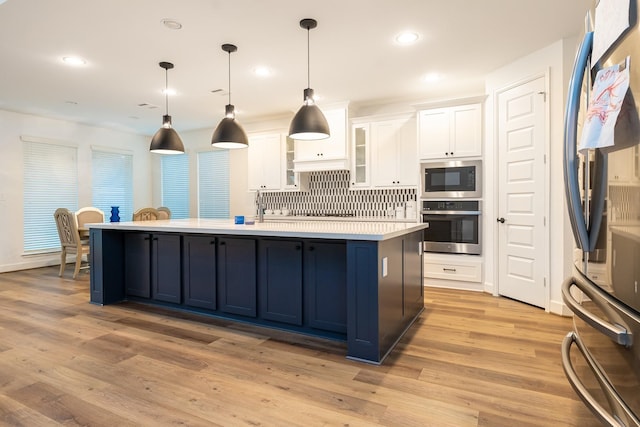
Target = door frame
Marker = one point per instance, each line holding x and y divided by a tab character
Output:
546	187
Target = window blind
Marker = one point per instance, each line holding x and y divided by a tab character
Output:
112	182
175	184
213	184
50	182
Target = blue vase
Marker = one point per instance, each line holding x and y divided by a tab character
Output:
115	214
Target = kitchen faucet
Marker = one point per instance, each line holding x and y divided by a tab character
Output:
260	206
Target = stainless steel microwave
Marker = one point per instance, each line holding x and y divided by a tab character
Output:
452	179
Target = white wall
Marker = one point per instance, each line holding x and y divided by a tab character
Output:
555	62
12	126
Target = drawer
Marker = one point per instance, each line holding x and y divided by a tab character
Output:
471	272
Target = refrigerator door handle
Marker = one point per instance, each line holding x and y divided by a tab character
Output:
621	410
572	186
618	333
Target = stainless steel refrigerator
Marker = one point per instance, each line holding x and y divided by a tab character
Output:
601	355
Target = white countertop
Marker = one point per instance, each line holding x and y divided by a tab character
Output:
343	230
334	218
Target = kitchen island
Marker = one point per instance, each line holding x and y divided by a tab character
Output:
358	282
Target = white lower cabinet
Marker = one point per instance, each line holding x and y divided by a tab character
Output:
454	268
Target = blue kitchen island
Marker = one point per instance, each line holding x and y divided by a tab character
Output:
357	282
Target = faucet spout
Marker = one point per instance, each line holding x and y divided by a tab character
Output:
260	206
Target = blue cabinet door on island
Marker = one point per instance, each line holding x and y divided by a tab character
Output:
280	279
237	276
199	271
325	285
137	271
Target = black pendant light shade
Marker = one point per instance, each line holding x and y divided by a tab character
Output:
309	123
166	139
229	133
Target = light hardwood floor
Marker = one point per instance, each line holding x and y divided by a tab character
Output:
470	360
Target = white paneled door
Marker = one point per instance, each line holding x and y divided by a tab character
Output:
521	202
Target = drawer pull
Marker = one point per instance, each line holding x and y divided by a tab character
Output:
449	269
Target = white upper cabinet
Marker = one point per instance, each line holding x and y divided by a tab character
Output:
624	167
265	161
450	132
325	154
393	152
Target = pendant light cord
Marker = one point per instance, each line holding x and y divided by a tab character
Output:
229	78
166	90
308	61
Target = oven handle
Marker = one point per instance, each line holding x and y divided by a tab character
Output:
612	396
618	333
450	212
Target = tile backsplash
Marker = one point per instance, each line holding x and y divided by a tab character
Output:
329	194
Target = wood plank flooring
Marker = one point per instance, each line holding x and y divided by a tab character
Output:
470	360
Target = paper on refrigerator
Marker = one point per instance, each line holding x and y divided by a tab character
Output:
607	95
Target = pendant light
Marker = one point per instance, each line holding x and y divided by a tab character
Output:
309	123
229	133
166	139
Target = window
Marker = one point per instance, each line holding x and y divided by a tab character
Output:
50	182
213	184
175	184
112	182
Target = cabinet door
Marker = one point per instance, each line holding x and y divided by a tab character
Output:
280	274
621	166
360	155
237	276
137	269
385	139
325	286
199	271
264	162
434	135
334	147
407	165
166	273
466	131
393	150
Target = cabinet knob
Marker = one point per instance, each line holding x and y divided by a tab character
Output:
311	248
298	247
223	243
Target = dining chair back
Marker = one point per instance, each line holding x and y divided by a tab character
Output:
145	214
70	242
164	212
88	215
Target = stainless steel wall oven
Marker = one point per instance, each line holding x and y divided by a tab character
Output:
454	226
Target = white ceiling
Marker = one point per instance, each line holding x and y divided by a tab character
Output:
353	54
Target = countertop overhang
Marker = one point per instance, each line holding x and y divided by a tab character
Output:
340	230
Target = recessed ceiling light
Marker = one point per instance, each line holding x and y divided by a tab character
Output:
169	91
262	71
75	61
407	37
431	77
172	24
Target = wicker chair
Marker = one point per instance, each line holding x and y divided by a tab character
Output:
69	239
146	214
87	215
164	212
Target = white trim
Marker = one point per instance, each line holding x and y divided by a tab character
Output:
105	149
28	138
